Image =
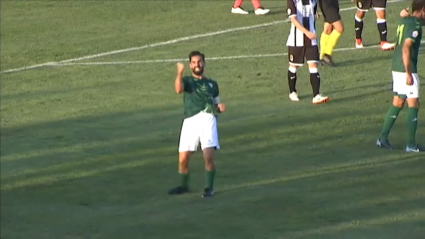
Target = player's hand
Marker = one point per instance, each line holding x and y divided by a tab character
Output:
311	35
409	79
404	12
221	107
317	15
180	68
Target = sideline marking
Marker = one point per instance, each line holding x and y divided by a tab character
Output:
58	63
208	58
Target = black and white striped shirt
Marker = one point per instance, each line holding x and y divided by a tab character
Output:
305	12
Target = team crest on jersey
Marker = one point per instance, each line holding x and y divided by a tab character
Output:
291	57
289	11
359	4
211	85
415	34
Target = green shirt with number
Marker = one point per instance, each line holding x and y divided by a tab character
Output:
199	95
408	28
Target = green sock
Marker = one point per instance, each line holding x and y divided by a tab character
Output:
210	178
185	180
390	119
412	125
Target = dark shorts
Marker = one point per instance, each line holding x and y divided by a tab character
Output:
296	54
365	5
330	10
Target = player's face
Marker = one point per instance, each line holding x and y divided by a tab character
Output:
197	65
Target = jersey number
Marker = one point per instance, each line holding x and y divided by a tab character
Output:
400	30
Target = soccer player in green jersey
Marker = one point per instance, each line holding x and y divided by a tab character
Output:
201	104
405	77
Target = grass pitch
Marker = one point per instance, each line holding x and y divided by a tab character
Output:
89	151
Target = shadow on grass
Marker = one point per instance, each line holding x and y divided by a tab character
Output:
265	137
133	194
126	140
363	61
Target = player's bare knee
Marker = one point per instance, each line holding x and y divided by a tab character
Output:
327	28
209	165
338	26
312	67
208	153
398	101
380	14
208	158
413	102
293	68
184	162
360	14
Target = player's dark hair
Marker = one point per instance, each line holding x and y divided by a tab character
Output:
418	5
196	53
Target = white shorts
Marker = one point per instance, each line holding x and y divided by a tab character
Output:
200	128
401	88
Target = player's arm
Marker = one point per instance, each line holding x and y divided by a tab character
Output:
216	99
292	15
407	44
410	39
178	82
298	25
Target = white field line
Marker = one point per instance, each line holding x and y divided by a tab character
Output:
230	30
208	59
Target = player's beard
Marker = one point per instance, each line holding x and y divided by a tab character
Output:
198	70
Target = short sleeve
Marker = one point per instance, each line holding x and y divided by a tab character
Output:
291	8
413	33
216	90
187	87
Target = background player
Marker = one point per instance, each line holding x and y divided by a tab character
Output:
302	44
405	77
332	30
379	6
258	9
201	103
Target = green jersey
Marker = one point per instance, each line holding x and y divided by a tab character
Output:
408	28
199	95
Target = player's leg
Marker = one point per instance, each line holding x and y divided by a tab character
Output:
331	17
237	8
399	82
390	118
210	169
296	59
327	28
379	6
362	8
209	143
188	143
312	57
412	115
337	30
258	9
324	38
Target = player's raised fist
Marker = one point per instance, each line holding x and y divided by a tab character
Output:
221	107
404	12
180	67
